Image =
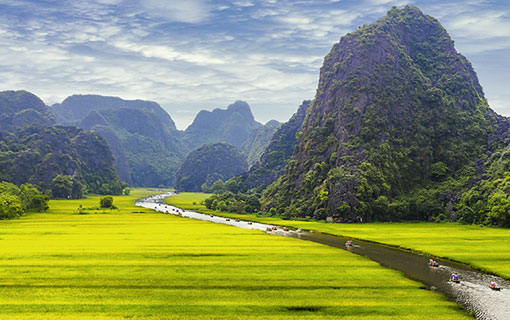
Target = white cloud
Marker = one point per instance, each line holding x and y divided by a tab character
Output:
190	11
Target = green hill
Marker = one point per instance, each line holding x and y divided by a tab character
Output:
207	164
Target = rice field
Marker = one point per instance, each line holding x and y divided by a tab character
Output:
136	264
485	248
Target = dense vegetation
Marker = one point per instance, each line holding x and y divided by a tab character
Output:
14	200
399	129
208	164
141	135
38	154
233	202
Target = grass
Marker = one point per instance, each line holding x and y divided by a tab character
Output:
127	265
484	248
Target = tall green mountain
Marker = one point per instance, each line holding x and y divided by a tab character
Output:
142	136
20	108
258	140
37	154
210	163
278	152
396	130
233	125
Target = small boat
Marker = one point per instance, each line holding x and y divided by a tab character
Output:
285	229
211	216
269	229
250	223
494	286
179	213
433	263
455	278
236	220
274	228
227	219
348	243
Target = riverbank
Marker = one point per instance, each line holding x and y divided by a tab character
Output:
136	263
483	248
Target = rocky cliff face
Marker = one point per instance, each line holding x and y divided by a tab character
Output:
397	111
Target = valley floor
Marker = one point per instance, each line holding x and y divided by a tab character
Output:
134	263
484	248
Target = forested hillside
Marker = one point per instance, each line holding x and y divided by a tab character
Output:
399	129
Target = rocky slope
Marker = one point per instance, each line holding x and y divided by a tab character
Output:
398	122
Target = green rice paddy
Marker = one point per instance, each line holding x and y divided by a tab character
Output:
137	264
485	248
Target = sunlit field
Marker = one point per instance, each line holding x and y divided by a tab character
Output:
136	264
484	248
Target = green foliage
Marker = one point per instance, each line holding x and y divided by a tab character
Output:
62	187
231	202
106	202
14	201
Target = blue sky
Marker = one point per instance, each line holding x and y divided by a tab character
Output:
190	55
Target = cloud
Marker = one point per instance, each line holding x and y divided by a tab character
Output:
189	11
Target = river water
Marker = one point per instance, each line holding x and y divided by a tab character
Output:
473	291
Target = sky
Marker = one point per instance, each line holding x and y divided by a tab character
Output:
190	55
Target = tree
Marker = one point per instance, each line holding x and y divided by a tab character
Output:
10	206
62	187
106	202
78	190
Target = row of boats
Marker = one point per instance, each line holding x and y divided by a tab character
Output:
455	278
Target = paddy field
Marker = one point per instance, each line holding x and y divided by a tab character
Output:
132	263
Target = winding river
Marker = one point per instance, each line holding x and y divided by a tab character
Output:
473	292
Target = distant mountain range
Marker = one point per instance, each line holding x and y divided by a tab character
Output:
34	150
147	148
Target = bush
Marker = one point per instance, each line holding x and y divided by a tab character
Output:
106	202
